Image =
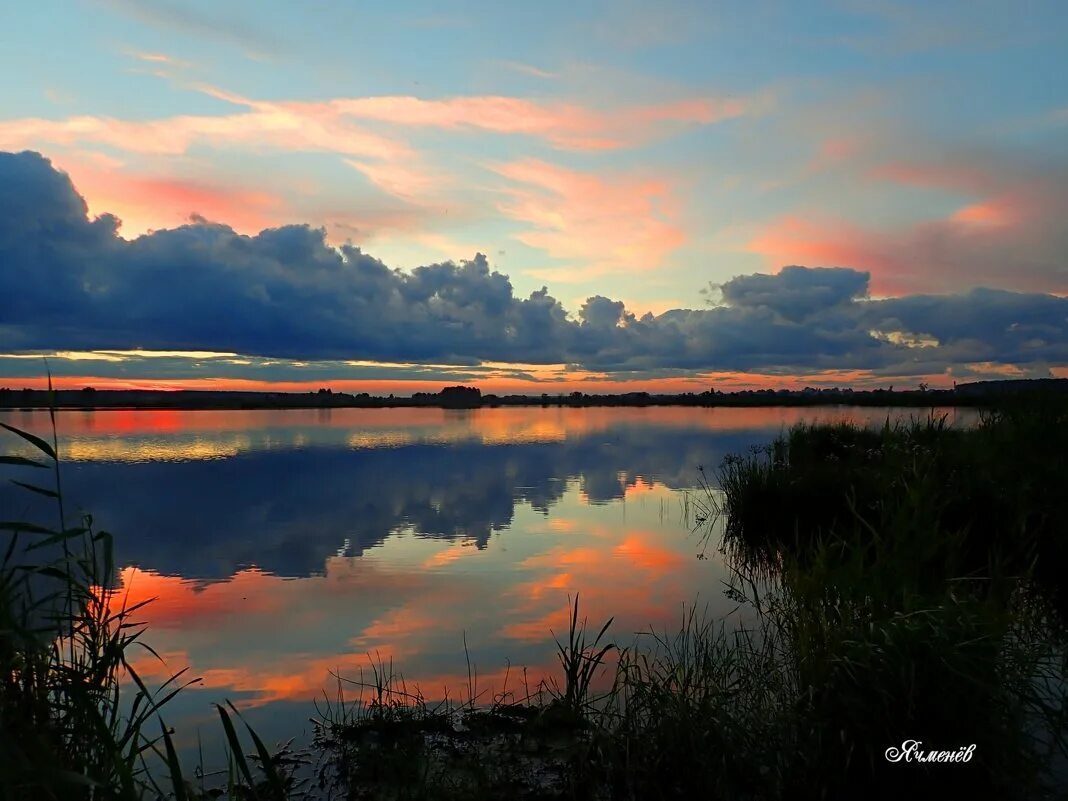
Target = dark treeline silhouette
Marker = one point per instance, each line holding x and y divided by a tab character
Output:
977	393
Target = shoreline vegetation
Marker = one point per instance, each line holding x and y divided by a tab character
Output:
896	585
979	393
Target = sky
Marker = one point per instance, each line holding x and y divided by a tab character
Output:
538	197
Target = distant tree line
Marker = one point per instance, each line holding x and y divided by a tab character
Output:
462	397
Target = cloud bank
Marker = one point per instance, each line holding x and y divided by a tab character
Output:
69	282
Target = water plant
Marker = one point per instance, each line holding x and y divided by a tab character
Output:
77	721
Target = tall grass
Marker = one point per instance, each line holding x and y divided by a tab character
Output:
916	570
77	721
381	738
800	702
989	498
65	651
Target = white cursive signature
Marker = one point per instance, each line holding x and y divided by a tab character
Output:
910	752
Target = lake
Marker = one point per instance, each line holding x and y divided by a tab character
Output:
282	547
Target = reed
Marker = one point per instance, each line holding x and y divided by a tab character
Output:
77	721
991	493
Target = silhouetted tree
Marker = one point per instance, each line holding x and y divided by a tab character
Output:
460	397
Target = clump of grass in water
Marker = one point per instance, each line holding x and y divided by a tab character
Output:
906	563
381	738
989	492
878	657
802	699
800	704
68	730
580	660
389	741
691	714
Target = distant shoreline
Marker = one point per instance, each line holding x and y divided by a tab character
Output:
973	394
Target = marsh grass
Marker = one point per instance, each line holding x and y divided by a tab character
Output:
916	582
381	738
801	701
77	721
66	648
985	499
876	662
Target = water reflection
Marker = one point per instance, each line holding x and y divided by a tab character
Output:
283	545
174	435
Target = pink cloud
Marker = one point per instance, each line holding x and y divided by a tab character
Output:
407	180
158	58
836	151
564	125
267	126
145	202
150	196
339	127
529	69
984	213
330	126
611	224
949	176
1002	228
992	244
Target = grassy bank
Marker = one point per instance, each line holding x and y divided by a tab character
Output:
894	584
801	704
948	502
76	719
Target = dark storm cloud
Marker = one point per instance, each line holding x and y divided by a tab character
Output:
796	293
1016	327
73	283
70	283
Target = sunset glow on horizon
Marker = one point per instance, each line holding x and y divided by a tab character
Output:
723	382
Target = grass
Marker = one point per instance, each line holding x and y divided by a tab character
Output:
64	652
990	498
76	719
801	704
894	584
918	572
388	741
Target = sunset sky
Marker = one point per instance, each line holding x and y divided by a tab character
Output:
533	197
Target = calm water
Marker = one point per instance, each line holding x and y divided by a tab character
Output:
282	546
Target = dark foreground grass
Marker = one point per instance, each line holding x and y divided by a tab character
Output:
803	703
76	719
894	592
991	496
